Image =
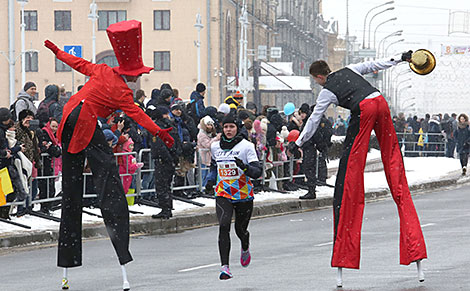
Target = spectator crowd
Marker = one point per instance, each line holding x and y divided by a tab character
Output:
31	149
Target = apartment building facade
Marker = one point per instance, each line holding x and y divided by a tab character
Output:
169	38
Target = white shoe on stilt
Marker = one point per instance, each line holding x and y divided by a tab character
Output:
339	278
125	283
65	281
420	271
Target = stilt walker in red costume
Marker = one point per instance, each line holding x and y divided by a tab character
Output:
81	137
369	111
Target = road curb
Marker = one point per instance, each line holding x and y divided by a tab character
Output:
148	226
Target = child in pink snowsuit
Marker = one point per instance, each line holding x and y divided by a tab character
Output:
127	163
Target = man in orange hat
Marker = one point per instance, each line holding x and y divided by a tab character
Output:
81	137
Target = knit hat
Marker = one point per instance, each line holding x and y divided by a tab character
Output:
230	118
4	114
224	108
166	93
28	85
109	135
200	87
24	113
238	95
304	108
211	111
127	144
207	120
176	106
160	111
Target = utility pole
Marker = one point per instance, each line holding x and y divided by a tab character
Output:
243	61
198	26
11	48
93	16
23	53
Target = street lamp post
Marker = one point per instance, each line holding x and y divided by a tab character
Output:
365	21
370	22
93	16
392	83
398	92
382	23
23	54
387	74
385	52
396	33
198	26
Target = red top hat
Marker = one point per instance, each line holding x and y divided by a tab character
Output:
126	39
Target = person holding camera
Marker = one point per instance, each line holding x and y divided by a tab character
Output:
52	163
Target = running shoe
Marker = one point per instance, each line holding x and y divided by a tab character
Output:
225	273
245	258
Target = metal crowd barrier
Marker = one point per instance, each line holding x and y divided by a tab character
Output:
429	148
144	156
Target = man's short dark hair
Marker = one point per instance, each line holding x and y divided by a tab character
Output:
319	68
139	94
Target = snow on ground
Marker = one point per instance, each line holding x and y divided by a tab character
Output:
418	170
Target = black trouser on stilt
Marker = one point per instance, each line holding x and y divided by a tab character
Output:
163	176
309	164
111	197
224	210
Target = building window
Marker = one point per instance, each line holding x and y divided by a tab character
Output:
161	61
31	62
63	20
30	19
61	66
109	60
161	19
108	17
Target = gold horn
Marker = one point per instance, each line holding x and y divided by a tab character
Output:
422	62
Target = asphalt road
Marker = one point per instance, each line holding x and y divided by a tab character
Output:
290	252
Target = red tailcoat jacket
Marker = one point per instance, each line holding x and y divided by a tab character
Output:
104	93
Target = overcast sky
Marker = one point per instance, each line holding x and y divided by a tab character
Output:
424	22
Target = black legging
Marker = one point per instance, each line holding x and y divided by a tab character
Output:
463	159
224	210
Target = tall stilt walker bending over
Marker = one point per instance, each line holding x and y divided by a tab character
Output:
105	92
369	111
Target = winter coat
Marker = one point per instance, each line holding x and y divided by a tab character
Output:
4	147
204	141
24	101
127	165
52	96
434	128
30	141
462	138
54	150
160	153
199	107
